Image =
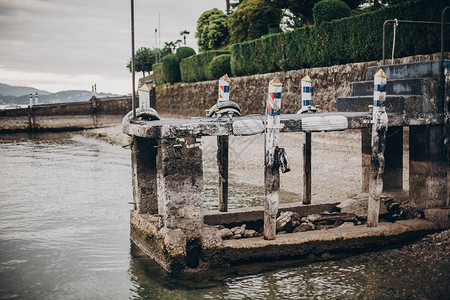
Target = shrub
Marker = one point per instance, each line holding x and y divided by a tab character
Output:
193	68
328	10
184	52
170	68
218	67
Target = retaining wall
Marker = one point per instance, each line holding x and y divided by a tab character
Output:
329	83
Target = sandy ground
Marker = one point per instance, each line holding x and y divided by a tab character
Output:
336	160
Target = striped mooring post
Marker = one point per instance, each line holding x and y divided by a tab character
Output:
306	96
378	144
36	100
224	89
271	166
222	148
31	99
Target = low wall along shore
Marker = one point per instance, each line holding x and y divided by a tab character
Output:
329	83
66	116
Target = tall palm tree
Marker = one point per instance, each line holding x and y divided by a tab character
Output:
184	33
169	47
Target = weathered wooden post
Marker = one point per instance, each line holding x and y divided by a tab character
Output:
306	168
222	148
379	128
306	105
271	167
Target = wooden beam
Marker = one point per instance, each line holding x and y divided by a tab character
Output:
222	162
307	168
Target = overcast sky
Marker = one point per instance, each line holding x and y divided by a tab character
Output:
58	45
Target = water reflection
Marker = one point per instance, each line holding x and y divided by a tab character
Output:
64	234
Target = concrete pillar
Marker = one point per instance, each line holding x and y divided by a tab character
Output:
143	162
428	166
366	153
180	183
393	170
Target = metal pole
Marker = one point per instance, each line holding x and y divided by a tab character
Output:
133	94
442	33
384	39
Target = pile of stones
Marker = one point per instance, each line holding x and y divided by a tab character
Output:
351	212
289	222
237	232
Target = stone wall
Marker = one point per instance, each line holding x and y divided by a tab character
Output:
329	83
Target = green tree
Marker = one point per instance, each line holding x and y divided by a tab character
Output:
144	58
252	20
303	9
212	30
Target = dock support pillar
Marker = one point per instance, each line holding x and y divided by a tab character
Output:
222	161
143	161
428	167
366	153
180	183
306	168
393	170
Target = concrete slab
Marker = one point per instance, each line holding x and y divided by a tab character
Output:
340	239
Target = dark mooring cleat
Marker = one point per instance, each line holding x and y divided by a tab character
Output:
224	108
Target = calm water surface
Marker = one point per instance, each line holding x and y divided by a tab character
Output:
64	234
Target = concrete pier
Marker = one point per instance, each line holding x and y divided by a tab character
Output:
169	224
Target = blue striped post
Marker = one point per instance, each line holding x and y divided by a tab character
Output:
271	168
224	89
306	92
306	96
378	144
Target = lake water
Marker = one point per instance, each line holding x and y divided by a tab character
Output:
64	234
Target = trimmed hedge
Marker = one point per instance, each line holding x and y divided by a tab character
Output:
158	74
170	68
183	52
218	67
352	39
193	68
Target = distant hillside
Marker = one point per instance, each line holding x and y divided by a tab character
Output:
46	97
17	91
